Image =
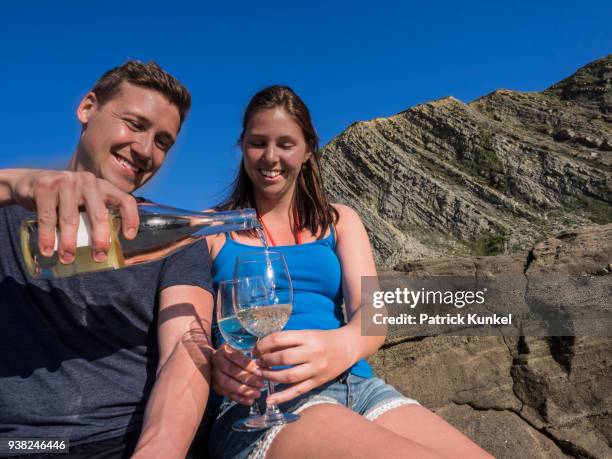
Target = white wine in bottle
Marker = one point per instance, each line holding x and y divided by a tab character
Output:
162	231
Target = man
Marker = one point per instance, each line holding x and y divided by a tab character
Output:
114	361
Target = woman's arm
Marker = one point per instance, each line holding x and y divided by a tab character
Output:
355	253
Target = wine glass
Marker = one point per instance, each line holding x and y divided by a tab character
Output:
263	303
236	336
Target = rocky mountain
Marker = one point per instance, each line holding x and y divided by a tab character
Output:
513	183
489	177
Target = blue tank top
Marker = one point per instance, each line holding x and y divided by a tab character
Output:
317	284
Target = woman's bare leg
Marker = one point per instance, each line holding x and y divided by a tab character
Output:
333	431
417	423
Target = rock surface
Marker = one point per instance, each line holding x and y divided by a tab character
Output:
516	396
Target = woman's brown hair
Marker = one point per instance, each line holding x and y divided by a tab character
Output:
315	212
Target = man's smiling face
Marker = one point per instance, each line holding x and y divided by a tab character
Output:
125	140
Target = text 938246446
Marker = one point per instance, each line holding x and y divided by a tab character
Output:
15	446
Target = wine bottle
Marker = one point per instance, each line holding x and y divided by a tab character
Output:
162	231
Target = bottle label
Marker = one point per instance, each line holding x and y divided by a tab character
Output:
83	233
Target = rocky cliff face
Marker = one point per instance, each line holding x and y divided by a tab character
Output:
492	176
522	176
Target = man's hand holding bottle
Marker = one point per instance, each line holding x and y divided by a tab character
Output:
58	196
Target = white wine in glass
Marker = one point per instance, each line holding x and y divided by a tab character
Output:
261	321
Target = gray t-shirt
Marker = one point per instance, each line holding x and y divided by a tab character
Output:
78	355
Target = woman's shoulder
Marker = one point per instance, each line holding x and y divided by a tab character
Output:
348	218
345	212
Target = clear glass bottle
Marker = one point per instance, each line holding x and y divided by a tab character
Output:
162	231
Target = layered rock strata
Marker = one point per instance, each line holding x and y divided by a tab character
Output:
492	176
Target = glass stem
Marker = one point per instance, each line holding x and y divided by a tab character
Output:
253	410
272	410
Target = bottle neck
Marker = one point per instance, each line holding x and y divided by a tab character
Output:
239	215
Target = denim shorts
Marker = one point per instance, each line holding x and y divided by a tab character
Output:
369	397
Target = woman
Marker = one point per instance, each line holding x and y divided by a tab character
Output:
327	251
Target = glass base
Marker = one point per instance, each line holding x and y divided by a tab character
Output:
243	425
264	421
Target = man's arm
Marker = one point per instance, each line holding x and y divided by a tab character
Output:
176	405
8	179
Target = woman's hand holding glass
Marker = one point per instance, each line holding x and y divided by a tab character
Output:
236	376
316	356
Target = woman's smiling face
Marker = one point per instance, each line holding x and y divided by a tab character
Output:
274	150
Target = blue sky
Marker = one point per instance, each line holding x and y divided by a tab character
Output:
349	60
